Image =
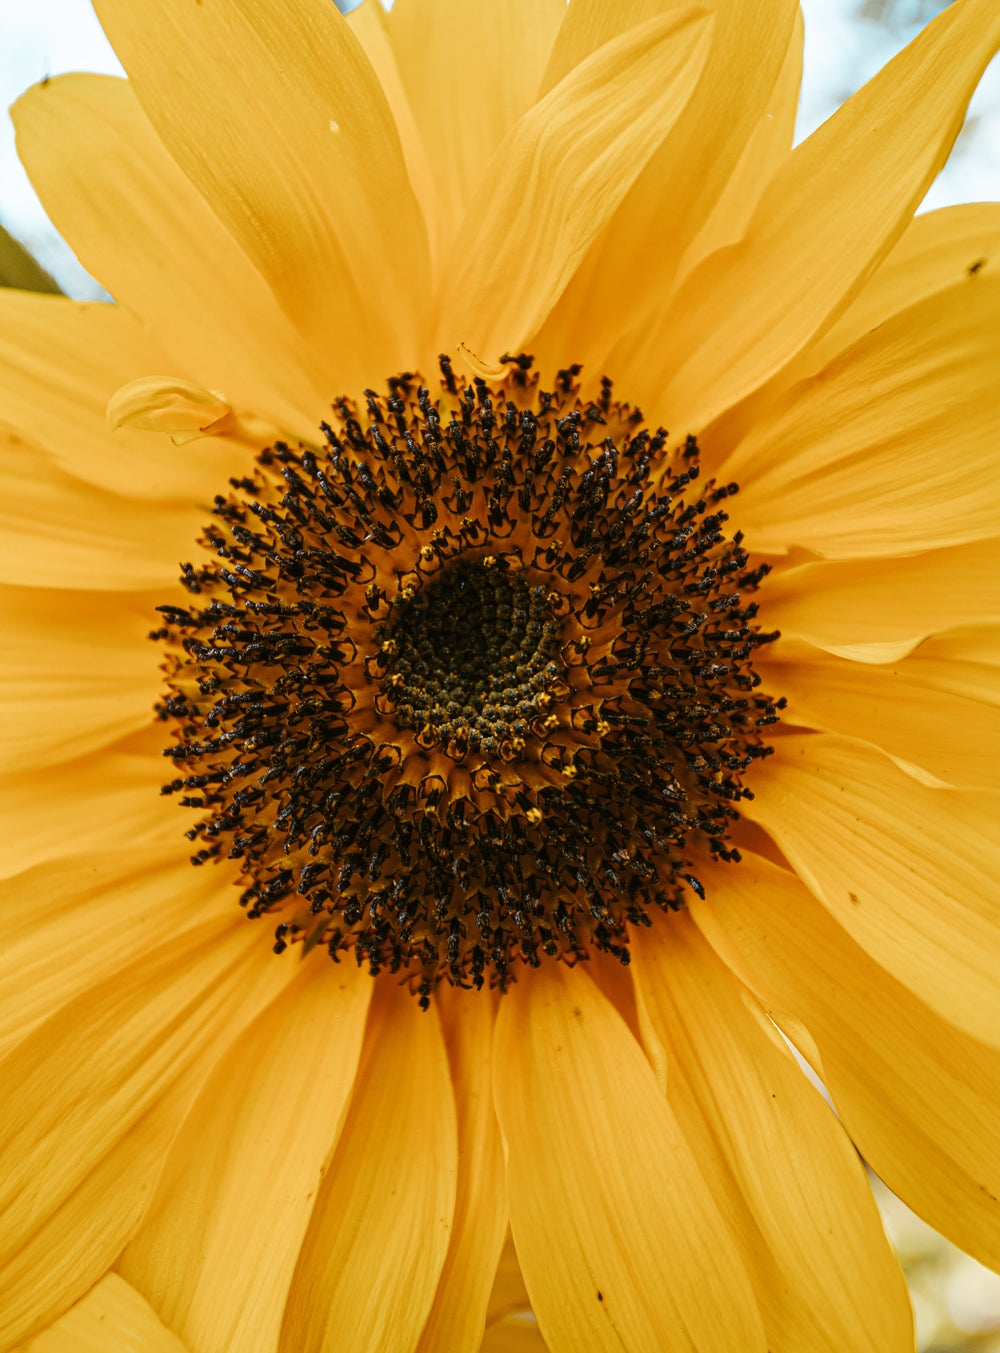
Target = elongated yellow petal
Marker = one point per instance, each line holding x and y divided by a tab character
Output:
826	221
92	1099
469	76
458	1316
909	872
619	1238
60	363
282	126
772	1154
558	177
77	673
891	448
384	1209
138	223
881	600
77	920
631	268
217	1247
917	1095
927	714
111	1318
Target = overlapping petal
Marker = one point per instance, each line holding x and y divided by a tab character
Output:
111	1318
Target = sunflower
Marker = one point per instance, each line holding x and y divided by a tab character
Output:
546	543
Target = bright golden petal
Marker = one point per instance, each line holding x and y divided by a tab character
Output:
558	177
77	920
619	1238
631	268
280	123
78	673
219	1242
917	1096
378	1236
909	872
772	1154
61	532
877	601
825	222
138	224
111	1318
92	1099
458	1316
468	79
891	449
923	712
60	362
100	802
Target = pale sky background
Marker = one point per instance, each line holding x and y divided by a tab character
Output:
846	42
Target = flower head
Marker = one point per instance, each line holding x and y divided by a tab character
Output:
568	714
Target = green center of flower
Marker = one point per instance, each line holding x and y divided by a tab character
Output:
471	684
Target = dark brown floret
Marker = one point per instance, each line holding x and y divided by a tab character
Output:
470	684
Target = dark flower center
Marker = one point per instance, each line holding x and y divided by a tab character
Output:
470	684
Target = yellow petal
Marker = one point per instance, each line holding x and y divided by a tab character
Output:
92	1099
76	920
885	600
100	802
950	733
138	224
827	219
58	531
891	448
458	1316
60	363
167	404
620	1241
280	123
772	1154
218	1244
379	1231
631	268
558	177
111	1318
909	872
465	107
917	1096
78	673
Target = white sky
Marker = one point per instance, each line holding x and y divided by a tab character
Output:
47	37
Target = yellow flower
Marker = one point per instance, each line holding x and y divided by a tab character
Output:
473	684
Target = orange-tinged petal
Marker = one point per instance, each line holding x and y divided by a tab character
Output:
909	872
218	1244
465	107
769	1147
917	1096
619	1238
851	603
632	266
138	224
60	363
825	222
558	177
75	921
458	1316
111	1318
509	1292
951	735
58	531
78	672
100	802
92	1099
378	1236
277	118
891	448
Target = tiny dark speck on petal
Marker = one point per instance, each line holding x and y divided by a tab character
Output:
600	1296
